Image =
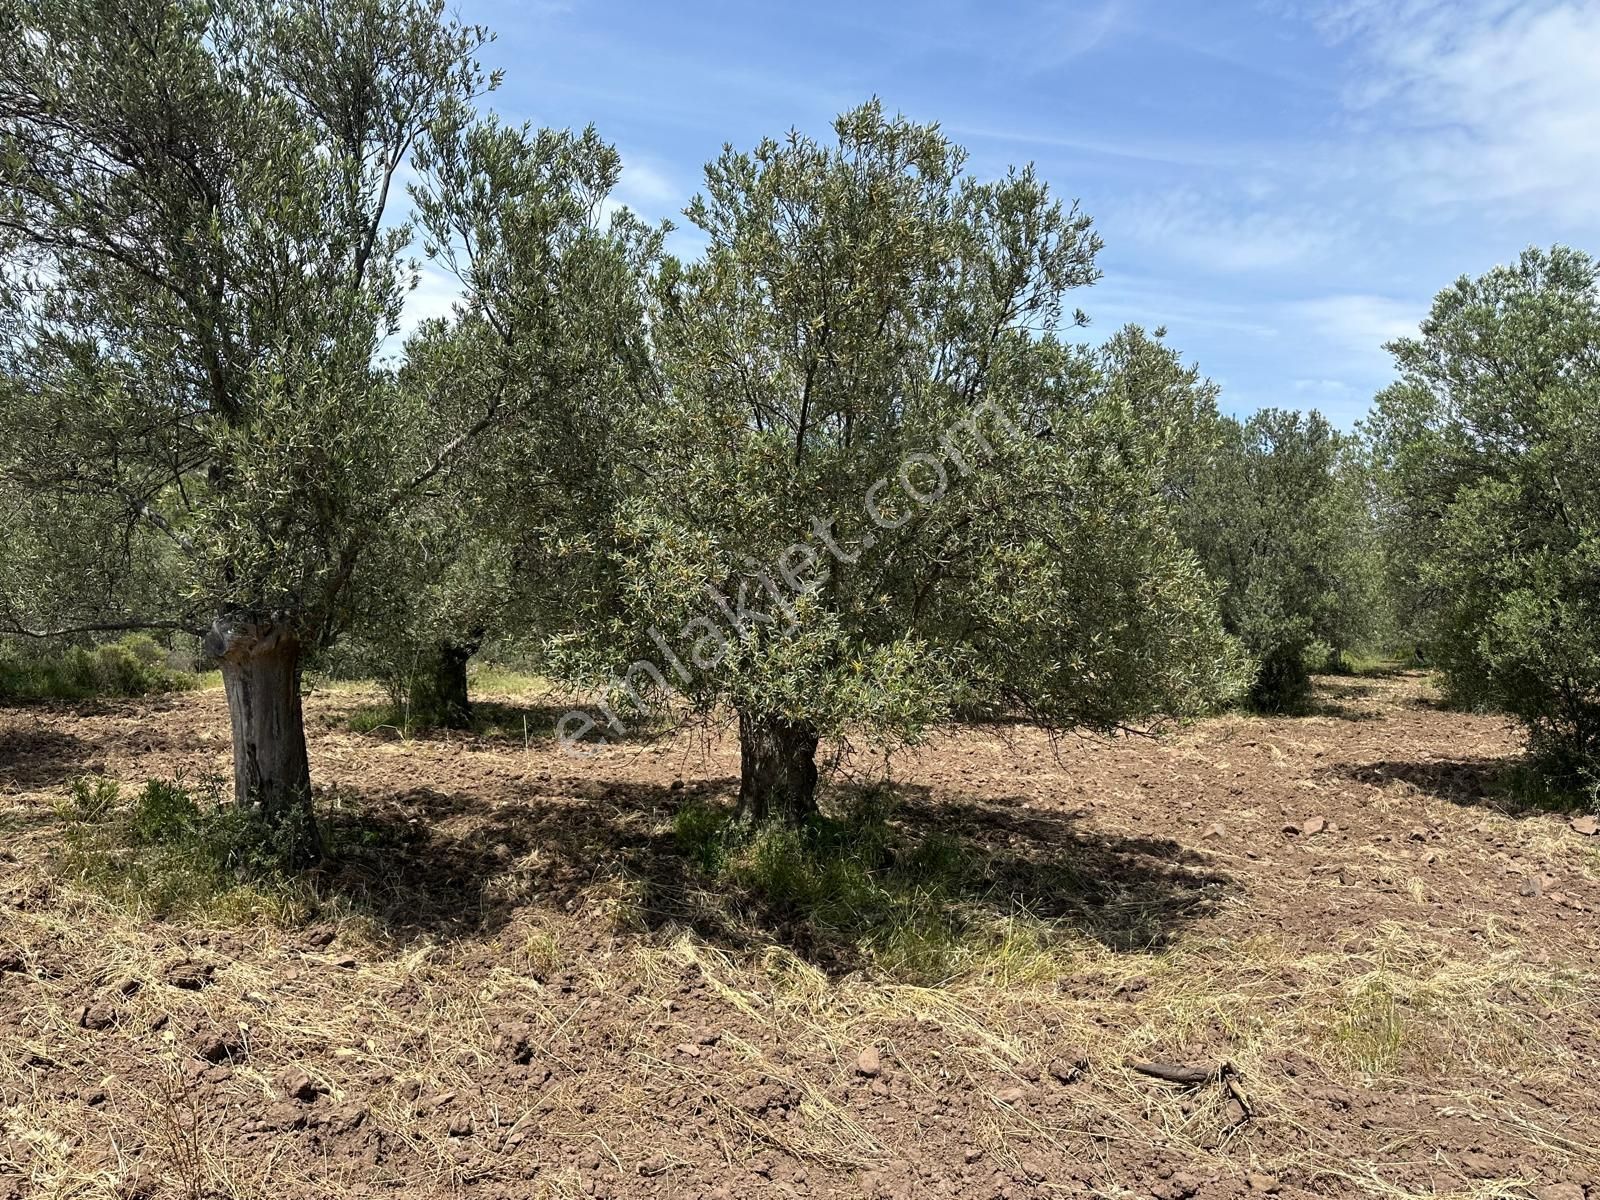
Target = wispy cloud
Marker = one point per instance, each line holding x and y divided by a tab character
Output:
1228	236
1481	101
1358	323
1035	37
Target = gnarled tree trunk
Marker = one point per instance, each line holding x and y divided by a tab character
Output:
439	697
260	660
777	768
452	704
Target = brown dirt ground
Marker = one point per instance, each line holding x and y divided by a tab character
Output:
529	1000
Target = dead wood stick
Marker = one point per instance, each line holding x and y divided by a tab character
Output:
1182	1073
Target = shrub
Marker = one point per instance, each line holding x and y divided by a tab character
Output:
174	850
133	666
1490	441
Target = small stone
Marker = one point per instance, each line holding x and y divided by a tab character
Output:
297	1085
868	1062
1068	1068
461	1125
1262	1183
346	1118
97	1016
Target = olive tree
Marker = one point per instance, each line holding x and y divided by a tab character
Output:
206	246
1283	521
873	487
1489	442
1278	507
497	546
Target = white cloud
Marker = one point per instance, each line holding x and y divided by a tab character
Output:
434	296
1123	298
1325	388
649	189
1358	323
1496	102
1211	235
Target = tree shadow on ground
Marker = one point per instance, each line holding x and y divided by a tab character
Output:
1340	712
34	756
435	864
1496	783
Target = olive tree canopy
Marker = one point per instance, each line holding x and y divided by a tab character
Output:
1490	443
874	486
206	244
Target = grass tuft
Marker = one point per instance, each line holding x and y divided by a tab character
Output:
866	892
175	851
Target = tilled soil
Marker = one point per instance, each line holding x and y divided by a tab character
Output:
521	992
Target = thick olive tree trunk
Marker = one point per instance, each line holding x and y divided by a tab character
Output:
260	660
441	696
777	769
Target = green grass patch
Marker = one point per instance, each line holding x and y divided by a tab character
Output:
1366	665
1371	1033
133	666
862	892
171	850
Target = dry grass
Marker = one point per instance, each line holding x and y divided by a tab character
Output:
1442	1025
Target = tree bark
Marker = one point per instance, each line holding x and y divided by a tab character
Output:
442	699
777	769
260	660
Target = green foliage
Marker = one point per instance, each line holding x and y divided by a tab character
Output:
1278	508
201	264
1490	440
172	851
864	435
133	666
1284	521
207	219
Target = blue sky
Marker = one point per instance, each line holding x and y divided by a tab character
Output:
1282	185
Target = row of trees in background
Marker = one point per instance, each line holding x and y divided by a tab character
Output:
839	476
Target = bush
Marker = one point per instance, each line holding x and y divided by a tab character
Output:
133	666
1491	444
169	851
